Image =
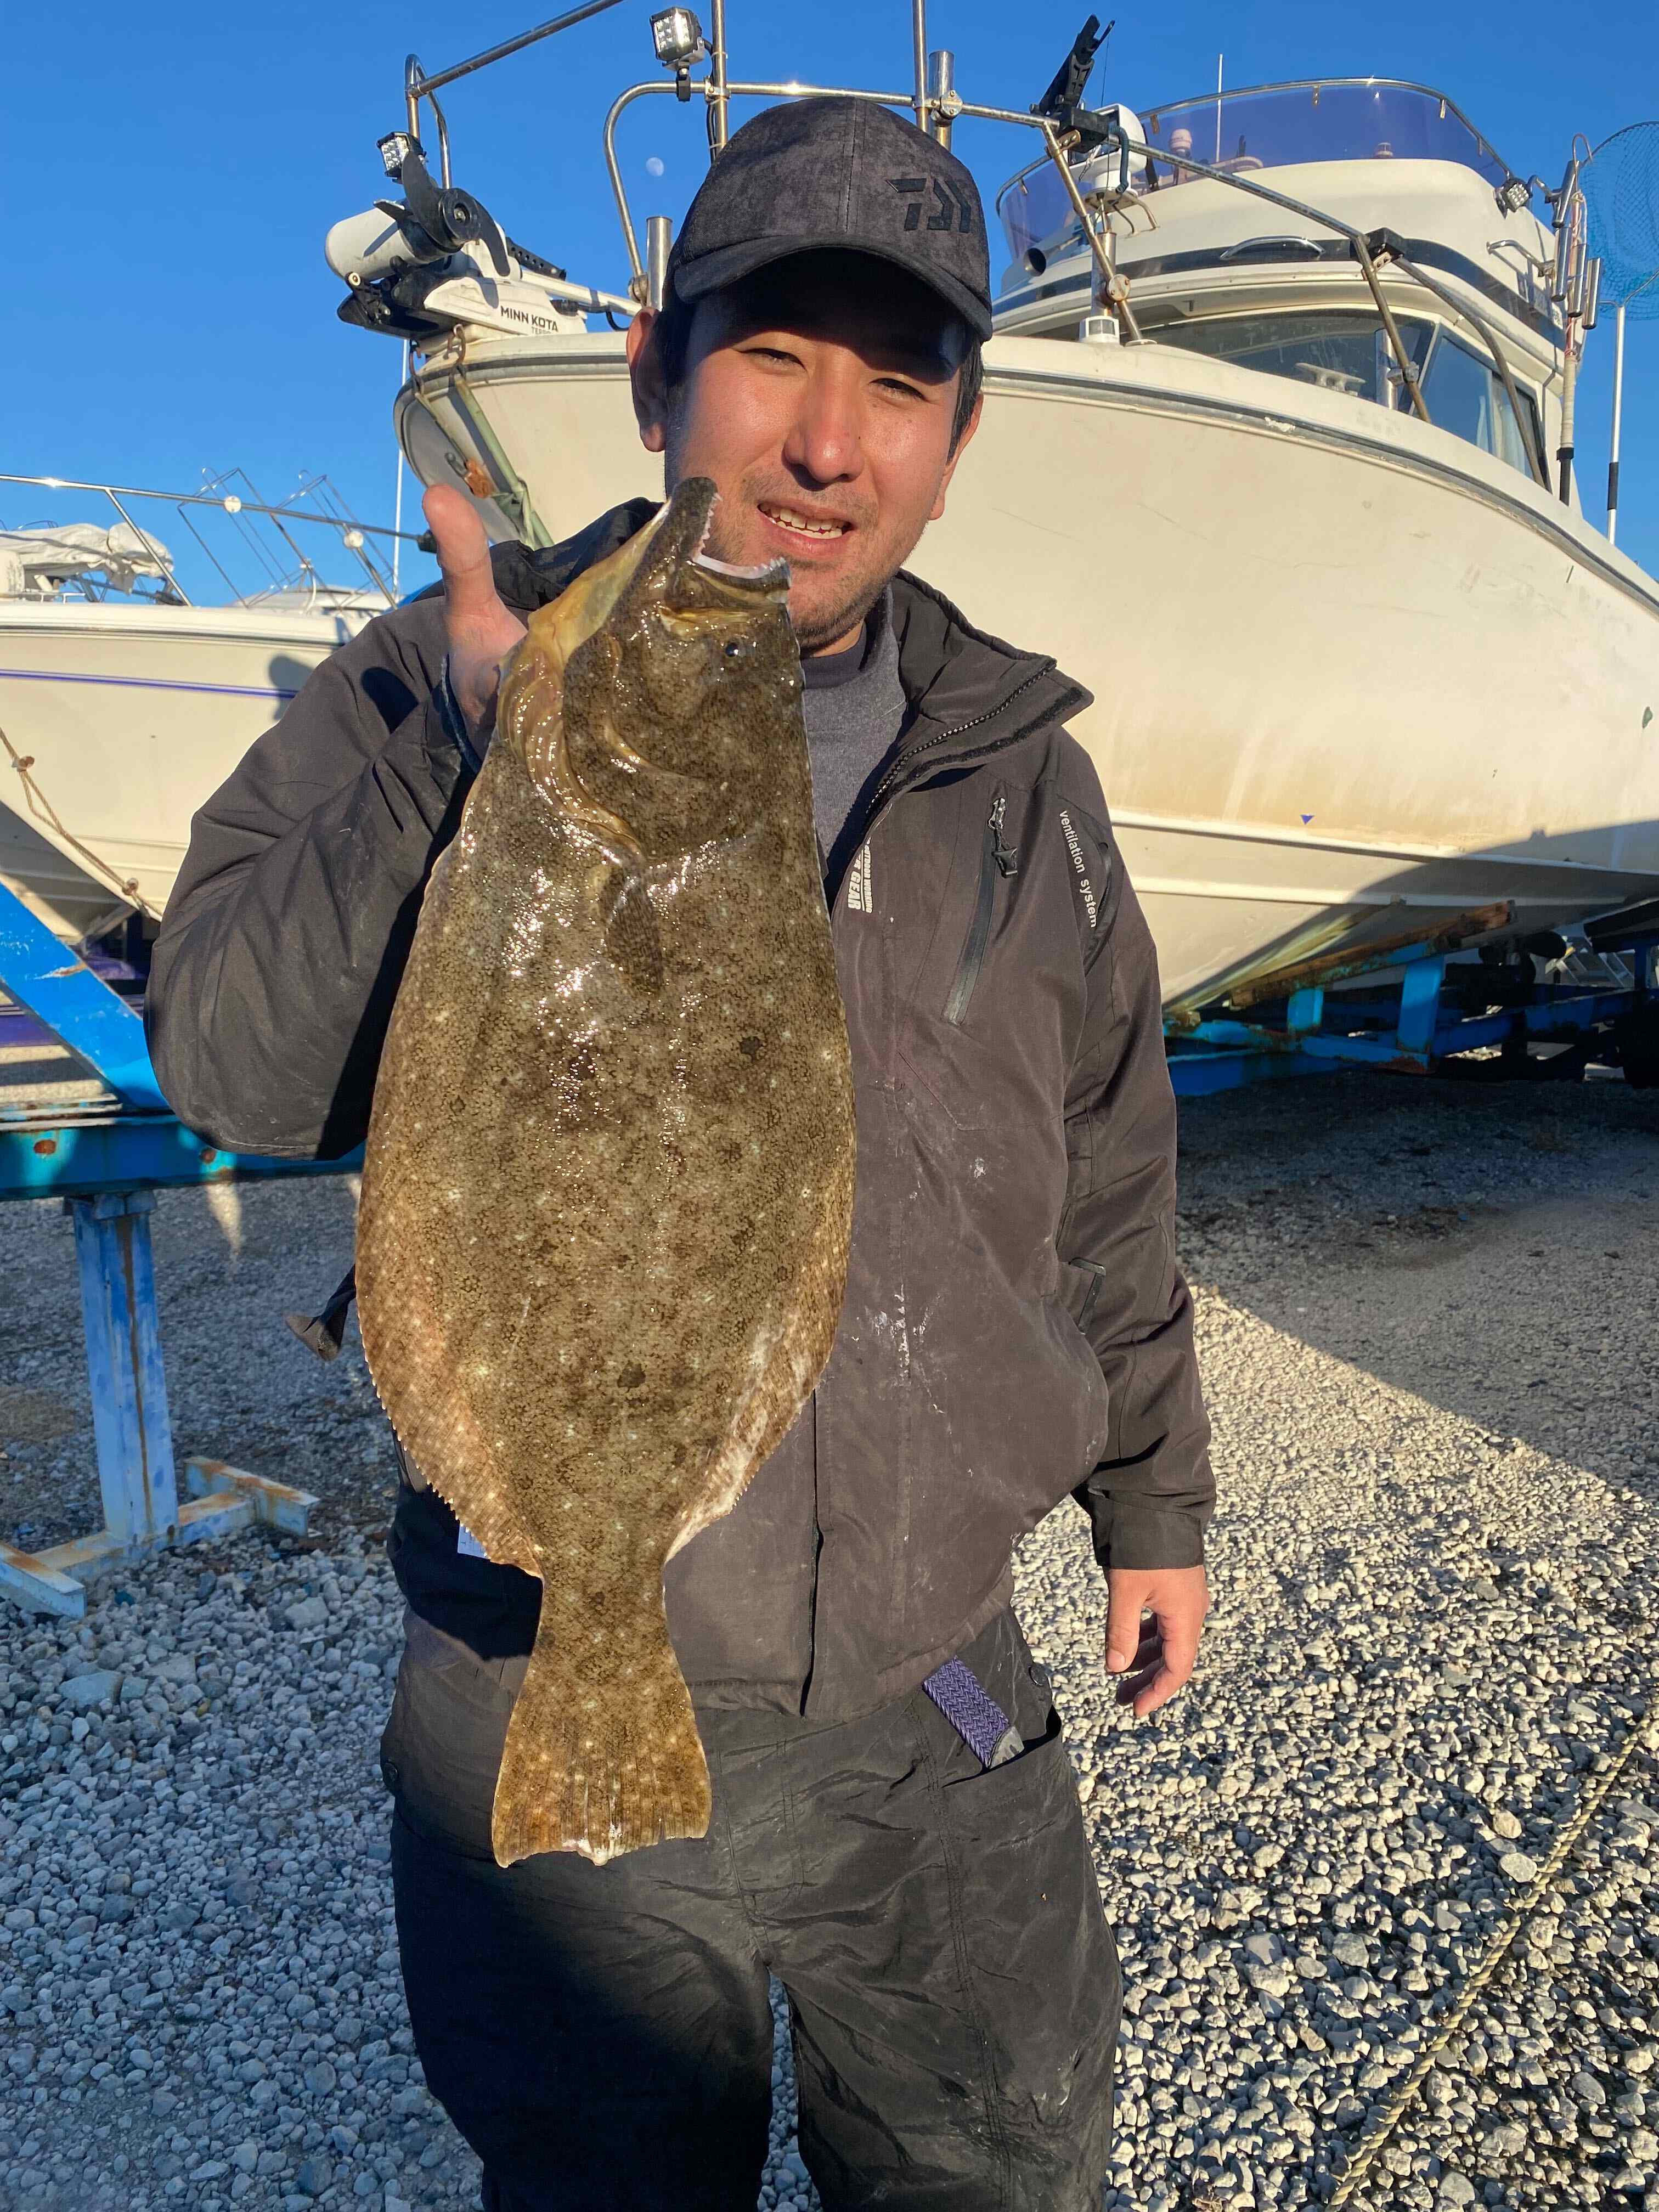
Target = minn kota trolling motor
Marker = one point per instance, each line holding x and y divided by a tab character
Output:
415	267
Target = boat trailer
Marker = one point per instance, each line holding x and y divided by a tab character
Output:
1422	1003
105	1154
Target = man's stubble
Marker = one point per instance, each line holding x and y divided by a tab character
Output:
841	610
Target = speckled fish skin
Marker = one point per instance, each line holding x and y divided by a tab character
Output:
607	1194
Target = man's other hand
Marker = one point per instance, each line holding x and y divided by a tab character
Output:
1152	1622
481	629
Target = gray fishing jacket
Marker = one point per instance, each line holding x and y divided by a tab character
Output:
1016	1328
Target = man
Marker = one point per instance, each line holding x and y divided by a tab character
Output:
1015	1326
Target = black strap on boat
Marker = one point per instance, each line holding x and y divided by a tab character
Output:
325	1333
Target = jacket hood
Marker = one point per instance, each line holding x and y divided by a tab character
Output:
963	682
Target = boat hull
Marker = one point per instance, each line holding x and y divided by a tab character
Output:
129	717
1350	672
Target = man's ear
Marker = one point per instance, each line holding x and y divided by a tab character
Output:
969	428
645	375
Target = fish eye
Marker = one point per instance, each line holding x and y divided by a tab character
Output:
736	649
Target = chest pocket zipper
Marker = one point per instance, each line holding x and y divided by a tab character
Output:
996	859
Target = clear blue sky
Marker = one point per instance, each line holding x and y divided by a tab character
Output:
170	175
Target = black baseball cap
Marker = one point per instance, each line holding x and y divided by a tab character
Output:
834	172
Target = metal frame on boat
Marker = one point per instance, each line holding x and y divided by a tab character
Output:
938	106
222	496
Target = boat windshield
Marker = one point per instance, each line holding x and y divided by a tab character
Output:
1339	351
1342	351
1268	127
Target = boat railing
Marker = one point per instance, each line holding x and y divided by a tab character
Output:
419	86
938	106
219	496
1338	120
1094	225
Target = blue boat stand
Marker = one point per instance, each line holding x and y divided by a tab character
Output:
1410	1008
105	1154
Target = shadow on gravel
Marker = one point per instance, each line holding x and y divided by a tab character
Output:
1490	1249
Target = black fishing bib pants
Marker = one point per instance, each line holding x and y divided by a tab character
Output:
602	2036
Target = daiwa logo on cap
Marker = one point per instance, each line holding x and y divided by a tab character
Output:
832	173
954	209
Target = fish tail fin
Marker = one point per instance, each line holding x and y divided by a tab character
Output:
598	1770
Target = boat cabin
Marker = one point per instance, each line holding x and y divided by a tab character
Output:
1217	271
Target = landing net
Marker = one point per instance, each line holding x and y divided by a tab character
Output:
1621	185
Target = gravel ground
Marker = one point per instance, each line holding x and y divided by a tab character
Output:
1428	1328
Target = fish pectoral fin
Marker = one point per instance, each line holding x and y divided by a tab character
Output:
530	707
631	936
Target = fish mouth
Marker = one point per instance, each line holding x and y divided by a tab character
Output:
765	580
684	572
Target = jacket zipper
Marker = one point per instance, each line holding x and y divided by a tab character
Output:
895	778
901	766
996	859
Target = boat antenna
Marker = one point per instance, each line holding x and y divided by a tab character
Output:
718	97
1218	60
1620	186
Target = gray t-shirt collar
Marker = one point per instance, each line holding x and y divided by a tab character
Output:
855	715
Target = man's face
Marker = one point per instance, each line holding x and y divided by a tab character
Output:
820	395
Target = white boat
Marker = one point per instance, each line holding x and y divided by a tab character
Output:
1270	460
123	706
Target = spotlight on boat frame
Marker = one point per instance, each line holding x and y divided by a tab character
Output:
678	37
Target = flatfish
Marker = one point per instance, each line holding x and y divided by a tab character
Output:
607	1194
